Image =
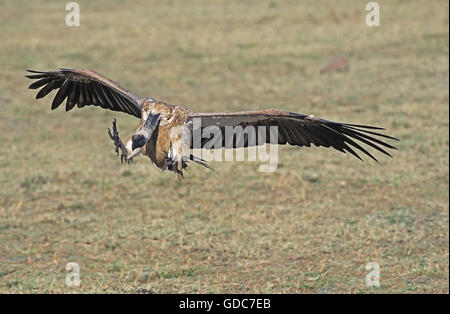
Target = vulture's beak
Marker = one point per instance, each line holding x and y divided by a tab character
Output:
145	133
137	140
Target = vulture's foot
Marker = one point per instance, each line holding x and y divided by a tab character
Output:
171	165
114	135
124	159
168	164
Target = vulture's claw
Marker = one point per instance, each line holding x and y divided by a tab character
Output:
168	164
124	159
114	135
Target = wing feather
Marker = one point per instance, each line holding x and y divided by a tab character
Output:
81	98
40	83
48	88
85	88
71	98
298	129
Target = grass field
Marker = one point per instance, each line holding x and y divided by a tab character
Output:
309	227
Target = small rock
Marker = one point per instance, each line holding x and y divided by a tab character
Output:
334	64
144	291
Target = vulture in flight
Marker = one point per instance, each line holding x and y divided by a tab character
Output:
165	132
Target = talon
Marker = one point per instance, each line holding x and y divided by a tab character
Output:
169	163
110	135
165	166
114	135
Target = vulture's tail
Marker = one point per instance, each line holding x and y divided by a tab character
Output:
200	161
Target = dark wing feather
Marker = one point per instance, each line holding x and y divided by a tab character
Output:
293	128
85	88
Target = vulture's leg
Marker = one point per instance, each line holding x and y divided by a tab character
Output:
168	164
118	143
179	170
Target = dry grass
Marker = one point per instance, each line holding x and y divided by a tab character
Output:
311	226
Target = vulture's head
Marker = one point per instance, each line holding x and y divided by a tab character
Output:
141	138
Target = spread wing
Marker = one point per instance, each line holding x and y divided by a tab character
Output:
85	88
292	128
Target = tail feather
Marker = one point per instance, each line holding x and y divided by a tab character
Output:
200	161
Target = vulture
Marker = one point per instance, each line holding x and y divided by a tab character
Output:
167	133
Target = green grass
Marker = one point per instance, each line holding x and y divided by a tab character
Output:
311	226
